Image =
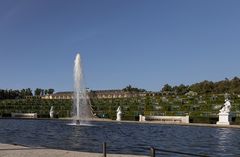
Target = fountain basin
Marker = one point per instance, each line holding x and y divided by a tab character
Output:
121	138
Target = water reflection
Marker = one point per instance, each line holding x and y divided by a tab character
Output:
223	138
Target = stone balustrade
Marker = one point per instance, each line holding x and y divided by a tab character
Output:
167	119
24	115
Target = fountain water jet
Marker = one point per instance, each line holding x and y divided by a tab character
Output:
81	109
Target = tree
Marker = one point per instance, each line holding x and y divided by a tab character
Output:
37	91
45	92
29	92
235	85
2	94
167	88
207	87
50	91
23	93
181	89
129	88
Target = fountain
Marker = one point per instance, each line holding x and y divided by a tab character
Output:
81	109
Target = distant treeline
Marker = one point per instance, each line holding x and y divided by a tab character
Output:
21	94
231	86
206	87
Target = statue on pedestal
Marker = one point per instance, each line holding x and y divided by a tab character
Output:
119	114
224	114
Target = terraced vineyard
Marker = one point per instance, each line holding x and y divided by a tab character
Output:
39	106
200	108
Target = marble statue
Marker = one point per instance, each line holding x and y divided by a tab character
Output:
119	114
224	114
51	112
226	108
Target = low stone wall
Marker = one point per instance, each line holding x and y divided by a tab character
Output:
170	119
24	115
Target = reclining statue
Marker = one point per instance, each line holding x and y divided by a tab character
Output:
226	108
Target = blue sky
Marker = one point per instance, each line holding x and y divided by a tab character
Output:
145	43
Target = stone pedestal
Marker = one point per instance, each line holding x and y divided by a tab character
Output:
141	118
119	117
224	119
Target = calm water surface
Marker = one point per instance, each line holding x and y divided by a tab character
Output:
124	138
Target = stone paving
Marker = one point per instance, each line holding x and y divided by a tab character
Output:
8	150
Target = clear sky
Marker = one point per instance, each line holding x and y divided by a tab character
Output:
145	43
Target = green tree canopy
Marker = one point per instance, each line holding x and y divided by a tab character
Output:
129	88
167	88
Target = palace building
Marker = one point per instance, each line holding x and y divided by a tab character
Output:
100	94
